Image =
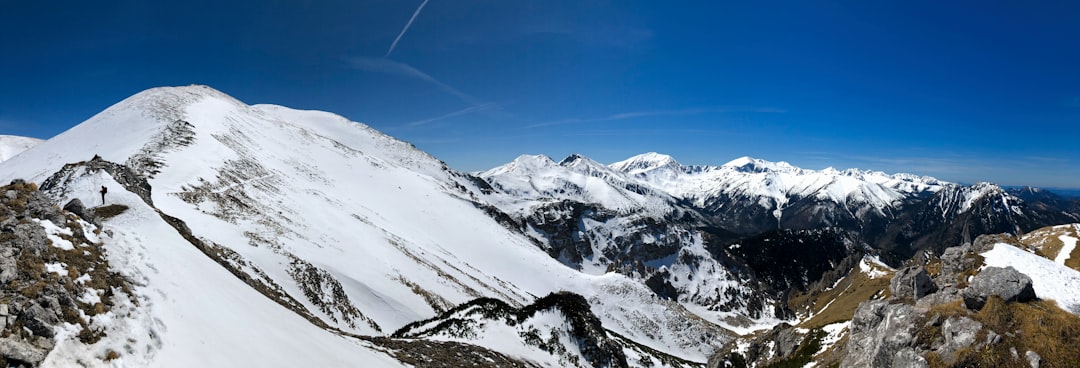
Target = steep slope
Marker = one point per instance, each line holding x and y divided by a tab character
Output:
557	330
959	214
321	219
597	219
11	145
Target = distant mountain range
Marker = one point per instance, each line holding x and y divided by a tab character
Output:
235	234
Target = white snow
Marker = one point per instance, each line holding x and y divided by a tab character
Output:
873	267
11	145
834	332
1068	245
1050	279
773	184
376	215
53	232
57	268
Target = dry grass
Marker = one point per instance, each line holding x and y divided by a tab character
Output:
1039	326
853	289
1046	242
110	211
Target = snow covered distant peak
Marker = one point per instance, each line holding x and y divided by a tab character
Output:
646	163
11	145
521	165
755	165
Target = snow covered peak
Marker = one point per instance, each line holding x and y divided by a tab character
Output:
522	165
11	145
646	163
753	165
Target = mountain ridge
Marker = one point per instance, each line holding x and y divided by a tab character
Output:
325	227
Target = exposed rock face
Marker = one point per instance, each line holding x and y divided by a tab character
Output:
76	207
43	250
128	178
948	326
912	282
882	336
958	333
596	346
1007	283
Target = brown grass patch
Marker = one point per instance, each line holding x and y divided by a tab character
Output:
853	289
110	211
1038	326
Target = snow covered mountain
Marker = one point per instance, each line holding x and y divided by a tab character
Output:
235	234
899	213
733	240
262	235
11	145
752	195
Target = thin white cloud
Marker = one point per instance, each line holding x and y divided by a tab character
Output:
467	110
387	66
403	30
640	114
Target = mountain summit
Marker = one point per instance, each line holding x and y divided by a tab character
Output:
263	235
184	227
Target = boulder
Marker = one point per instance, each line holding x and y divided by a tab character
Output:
881	336
1006	283
76	206
959	333
21	351
912	282
1033	358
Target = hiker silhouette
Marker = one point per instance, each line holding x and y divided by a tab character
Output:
103	191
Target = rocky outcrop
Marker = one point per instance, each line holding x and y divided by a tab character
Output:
912	282
882	336
593	343
1006	283
128	178
51	273
948	320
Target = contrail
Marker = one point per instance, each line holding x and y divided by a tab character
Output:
403	30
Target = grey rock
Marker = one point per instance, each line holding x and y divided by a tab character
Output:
881	336
1033	358
8	270
959	333
992	337
38	320
780	342
946	295
954	261
11	194
21	350
912	282
1006	283
76	207
4	309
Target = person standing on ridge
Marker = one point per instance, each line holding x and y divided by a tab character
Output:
103	191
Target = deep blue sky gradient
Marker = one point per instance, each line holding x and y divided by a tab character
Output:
965	91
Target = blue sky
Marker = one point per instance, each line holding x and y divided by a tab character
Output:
965	91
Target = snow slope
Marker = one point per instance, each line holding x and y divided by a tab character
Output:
1050	279
192	311
11	145
363	231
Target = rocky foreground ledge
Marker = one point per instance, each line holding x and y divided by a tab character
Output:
947	311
